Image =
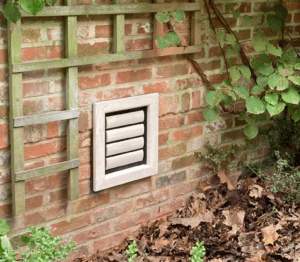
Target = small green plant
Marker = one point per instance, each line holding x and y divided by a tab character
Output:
198	252
42	245
131	251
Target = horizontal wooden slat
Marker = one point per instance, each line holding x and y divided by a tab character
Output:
124	146
124	133
98	59
125	119
112	9
42	171
45	118
124	159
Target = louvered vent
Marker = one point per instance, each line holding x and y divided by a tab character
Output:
125	140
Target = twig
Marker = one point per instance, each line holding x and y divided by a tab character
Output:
244	57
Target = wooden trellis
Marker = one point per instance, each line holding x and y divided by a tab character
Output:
71	63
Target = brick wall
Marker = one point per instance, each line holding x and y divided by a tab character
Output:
98	221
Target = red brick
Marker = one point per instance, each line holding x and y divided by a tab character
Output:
56	103
103	31
187	133
161	87
212	65
5	176
4	140
216	79
85	171
35	89
90	202
84	155
5	210
215	51
31	35
168	104
88	49
297	18
232	135
34	164
168	122
3	111
163	139
92	233
174	178
153	198
3	56
34	202
84	120
85	99
174	70
116	94
43	149
195	117
87	82
184	188
85	139
243	7
33	107
185	102
167	152
71	225
58	195
85	188
292	6
52	129
41	52
133	76
186	83
3	74
130	220
139	44
33	133
196	99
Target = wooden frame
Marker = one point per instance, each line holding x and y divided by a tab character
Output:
102	180
71	63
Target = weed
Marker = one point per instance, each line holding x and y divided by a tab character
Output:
198	252
131	251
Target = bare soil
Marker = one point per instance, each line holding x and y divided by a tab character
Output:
247	223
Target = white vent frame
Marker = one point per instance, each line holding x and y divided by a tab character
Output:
100	109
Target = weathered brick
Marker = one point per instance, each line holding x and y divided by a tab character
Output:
139	44
33	107
168	122
88	49
233	135
174	70
171	179
33	202
41	52
133	76
33	89
90	202
163	138
185	102
86	82
4	140
84	120
184	162
187	133
152	198
52	129
168	104
160	87
167	152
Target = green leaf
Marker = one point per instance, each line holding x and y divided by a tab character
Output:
236	47
255	105
246	73
268	9
251	131
273	50
226	100
242	92
274	79
231	39
295	79
265	58
281	12
283	84
232	94
51	2
257	90
259	44
162	17
4	228
234	73
277	109
236	14
291	96
220	35
172	38
5	245
274	22
11	12
265	69
287	57
32	6
242	117
213	98
272	98
229	52
296	115
179	15
210	114
261	117
287	70
227	83
247	19
161	43
297	66
262	81
32	245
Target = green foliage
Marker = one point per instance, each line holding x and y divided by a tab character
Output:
42	245
276	18
197	252
170	37
11	9
131	251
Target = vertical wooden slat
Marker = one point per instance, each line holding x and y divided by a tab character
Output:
119	31
72	101
196	26
157	27
16	110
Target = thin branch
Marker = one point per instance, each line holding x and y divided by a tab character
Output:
244	57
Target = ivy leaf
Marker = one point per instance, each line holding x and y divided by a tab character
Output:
283	84
242	92
242	117
231	39
162	17
277	109
272	98
179	15
236	14
247	19
273	50
220	35
232	94
259	44
297	66
287	57
251	131
4	228
51	2
32	6
172	38
268	9
262	81
229	52
25	239
210	114
161	43
296	115
234	73
257	90
265	58
291	96
255	105
281	12
226	100
227	83
273	80
213	98
246	73
274	22
11	12
236	47
265	69
287	70
295	79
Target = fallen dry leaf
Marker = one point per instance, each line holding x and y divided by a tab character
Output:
269	234
224	179
255	191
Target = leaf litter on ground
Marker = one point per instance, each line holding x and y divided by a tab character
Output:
245	224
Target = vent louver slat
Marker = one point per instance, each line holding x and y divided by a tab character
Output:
124	133
125	119
124	159
124	146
